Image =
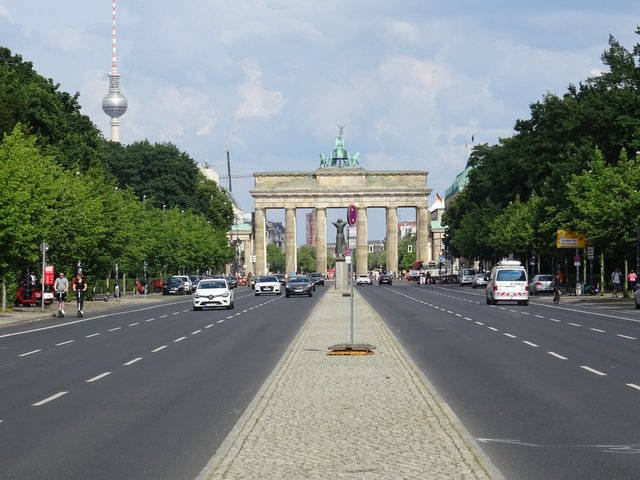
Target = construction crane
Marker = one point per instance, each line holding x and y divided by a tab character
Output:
229	176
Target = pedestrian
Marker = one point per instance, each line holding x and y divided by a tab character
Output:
61	287
616	279
633	279
80	287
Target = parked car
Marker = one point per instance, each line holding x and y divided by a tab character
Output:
636	296
541	283
300	285
363	279
317	277
194	279
173	286
188	287
213	292
267	284
466	276
480	279
385	279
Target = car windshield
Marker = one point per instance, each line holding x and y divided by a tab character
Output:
213	284
299	280
267	278
545	278
176	281
511	276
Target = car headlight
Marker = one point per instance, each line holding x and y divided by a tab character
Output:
195	295
225	294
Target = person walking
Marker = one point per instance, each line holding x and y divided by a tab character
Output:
616	280
61	287
633	279
79	287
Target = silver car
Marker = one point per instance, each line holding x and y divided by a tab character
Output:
541	283
480	280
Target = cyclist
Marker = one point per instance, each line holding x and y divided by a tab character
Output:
556	289
61	286
79	287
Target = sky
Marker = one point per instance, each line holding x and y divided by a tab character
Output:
412	81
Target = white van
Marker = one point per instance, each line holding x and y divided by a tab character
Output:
508	282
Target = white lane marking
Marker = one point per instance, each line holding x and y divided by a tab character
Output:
179	339
509	335
479	323
92	335
598	330
196	332
557	355
183	311
626	336
633	385
134	324
575	324
164	316
29	353
229	317
150	320
98	377
467	318
493	328
593	370
176	313
158	349
554	320
49	399
525	313
64	343
114	329
131	362
243	311
538	316
220	321
209	326
531	344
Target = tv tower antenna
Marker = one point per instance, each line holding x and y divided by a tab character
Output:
114	104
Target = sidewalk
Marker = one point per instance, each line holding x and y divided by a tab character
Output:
18	315
350	416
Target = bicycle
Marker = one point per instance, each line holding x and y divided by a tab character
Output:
556	295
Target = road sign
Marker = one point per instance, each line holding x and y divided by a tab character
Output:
352	214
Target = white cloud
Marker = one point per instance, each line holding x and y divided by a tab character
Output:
257	102
403	30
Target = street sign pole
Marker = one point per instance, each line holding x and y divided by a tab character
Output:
352	218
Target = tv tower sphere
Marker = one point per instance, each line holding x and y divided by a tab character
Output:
114	103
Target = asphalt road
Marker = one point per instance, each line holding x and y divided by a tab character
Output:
550	392
136	393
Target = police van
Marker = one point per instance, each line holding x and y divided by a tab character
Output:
508	282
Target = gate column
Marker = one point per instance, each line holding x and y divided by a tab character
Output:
362	247
321	240
290	250
260	243
422	241
392	239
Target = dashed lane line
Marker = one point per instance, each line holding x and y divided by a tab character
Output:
29	353
593	370
49	399
98	377
131	362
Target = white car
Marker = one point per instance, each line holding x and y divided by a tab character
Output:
267	284
213	292
363	279
188	286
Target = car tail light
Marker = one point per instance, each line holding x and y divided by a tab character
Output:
494	288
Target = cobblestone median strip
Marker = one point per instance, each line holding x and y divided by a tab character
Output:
320	416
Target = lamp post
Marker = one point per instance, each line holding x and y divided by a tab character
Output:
44	248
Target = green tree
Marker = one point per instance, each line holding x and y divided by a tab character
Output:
407	252
275	259
306	259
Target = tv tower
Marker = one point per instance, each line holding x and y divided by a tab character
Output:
114	103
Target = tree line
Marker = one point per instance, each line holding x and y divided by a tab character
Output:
94	201
573	165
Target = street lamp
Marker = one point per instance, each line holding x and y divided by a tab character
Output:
44	248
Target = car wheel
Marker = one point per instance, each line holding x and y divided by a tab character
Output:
488	302
257	294
311	294
287	295
280	293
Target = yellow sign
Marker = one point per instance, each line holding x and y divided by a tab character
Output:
566	239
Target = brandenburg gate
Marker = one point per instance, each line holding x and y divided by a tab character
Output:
338	183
